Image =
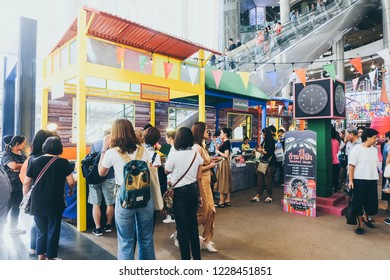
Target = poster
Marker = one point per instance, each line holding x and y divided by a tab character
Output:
300	169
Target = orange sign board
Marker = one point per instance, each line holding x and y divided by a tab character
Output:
156	93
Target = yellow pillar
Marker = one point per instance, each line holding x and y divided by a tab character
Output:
44	108
153	113
202	94
81	120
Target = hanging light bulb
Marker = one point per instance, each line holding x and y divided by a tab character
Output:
352	69
373	66
184	65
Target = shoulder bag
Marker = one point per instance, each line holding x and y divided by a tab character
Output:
350	213
26	201
386	174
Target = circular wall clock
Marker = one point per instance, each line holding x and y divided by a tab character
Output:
312	99
339	99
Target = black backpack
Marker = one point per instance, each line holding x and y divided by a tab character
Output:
89	167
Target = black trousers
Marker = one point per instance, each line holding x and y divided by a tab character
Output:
185	208
13	207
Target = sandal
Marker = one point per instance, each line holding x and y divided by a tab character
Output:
227	204
219	205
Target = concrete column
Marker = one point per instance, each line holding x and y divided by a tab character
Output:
285	11
386	24
339	50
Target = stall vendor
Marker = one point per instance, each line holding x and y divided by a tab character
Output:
245	146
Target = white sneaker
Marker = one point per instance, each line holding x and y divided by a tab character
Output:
209	247
168	220
268	200
17	231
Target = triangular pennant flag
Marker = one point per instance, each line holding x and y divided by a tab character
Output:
384	98
120	53
272	104
245	78
384	54
357	63
280	107
372	76
193	71
301	73
286	103
142	62
273	76
167	69
329	68
217	77
355	83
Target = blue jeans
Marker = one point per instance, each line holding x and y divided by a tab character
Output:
48	235
135	221
185	208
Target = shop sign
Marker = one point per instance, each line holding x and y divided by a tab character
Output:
156	93
240	105
300	169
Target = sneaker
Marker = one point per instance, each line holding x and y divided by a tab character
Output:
32	252
17	231
268	200
108	228
359	231
98	231
209	247
54	259
168	220
255	199
387	221
368	224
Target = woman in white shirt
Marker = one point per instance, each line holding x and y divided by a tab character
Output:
128	221
184	165
363	178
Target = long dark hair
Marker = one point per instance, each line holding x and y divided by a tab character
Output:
123	136
268	135
16	140
39	138
183	139
198	130
335	134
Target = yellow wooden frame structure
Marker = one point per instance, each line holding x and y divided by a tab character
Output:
53	74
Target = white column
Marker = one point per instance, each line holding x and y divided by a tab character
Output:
285	11
386	31
339	50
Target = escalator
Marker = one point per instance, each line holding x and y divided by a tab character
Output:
298	45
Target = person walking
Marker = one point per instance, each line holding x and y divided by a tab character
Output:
129	222
363	178
48	173
12	162
224	174
184	165
206	212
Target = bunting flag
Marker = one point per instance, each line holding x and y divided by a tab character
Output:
384	98
245	78
142	62
286	103
357	63
272	104
273	76
301	73
193	71
217	77
167	69
329	68
384	54
372	76
355	83
280	107
120	53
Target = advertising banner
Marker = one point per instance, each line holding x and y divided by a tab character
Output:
155	93
239	104
300	169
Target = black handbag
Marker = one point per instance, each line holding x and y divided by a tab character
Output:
213	177
350	213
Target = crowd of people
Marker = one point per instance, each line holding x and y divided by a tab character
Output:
188	166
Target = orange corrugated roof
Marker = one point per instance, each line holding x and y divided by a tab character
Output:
115	29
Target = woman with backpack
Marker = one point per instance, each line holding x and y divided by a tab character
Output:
118	149
185	167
